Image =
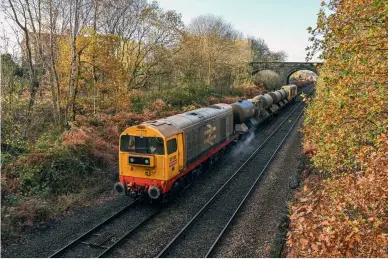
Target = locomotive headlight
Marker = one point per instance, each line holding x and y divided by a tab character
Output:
132	160
147	161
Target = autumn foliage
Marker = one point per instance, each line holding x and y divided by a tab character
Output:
343	211
343	216
350	108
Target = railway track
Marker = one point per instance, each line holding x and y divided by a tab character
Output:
201	234
103	238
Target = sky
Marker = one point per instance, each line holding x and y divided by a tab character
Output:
281	23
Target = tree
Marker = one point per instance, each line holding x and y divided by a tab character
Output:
143	28
21	14
212	44
261	51
213	26
343	119
342	212
270	79
11	75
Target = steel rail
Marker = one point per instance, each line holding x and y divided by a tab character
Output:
253	186
131	231
61	250
162	252
251	189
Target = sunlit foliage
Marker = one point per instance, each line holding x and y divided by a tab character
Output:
343	211
350	110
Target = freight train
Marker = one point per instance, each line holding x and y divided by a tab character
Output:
160	157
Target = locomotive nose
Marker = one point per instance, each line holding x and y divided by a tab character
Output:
119	187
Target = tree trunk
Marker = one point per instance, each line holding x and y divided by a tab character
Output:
54	80
76	87
94	60
73	74
33	81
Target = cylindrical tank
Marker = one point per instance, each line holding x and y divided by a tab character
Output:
283	93
267	100
242	111
276	96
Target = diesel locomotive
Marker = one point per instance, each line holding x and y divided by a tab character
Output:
159	157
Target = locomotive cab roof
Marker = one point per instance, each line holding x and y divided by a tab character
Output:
175	124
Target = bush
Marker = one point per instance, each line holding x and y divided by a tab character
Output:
176	97
251	91
268	78
343	216
54	167
59	171
349	111
235	91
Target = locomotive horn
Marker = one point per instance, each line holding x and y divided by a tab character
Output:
119	187
154	192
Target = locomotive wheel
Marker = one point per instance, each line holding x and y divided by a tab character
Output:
175	188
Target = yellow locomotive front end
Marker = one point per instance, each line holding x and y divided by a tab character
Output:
292	91
148	160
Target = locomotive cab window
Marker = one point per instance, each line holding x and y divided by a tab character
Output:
171	146
144	145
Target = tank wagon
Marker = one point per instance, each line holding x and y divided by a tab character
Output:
159	157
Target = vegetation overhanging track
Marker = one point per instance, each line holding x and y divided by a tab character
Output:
165	250
95	228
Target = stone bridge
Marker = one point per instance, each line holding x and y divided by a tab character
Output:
285	69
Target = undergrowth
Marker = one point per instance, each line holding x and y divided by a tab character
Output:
53	171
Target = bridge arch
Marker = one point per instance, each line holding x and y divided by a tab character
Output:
289	73
285	69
